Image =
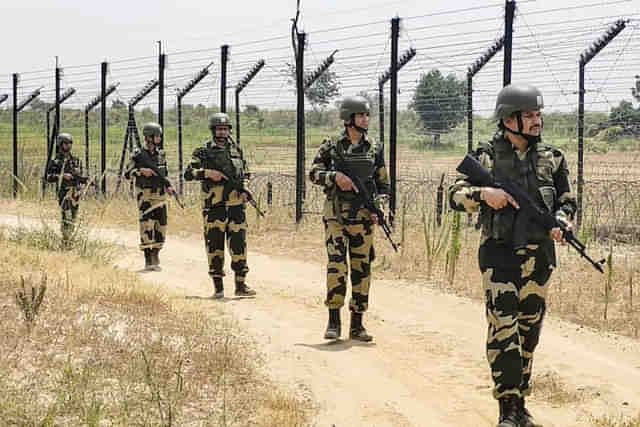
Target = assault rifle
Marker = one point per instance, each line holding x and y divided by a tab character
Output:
213	161
144	160
76	178
366	199
529	210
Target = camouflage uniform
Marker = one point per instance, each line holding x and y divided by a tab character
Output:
152	200
68	191
515	281
223	211
348	226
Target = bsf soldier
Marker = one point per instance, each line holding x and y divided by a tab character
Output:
151	194
515	278
66	169
348	226
218	165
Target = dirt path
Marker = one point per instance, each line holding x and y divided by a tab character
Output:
426	366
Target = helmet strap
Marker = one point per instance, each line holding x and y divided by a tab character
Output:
149	139
531	139
352	124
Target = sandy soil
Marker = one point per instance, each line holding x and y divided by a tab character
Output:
426	366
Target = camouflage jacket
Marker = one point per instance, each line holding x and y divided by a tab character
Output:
66	163
151	186
551	181
228	160
323	167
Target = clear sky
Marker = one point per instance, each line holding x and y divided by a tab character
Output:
82	32
89	31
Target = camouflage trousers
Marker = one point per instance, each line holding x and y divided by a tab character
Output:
515	286
69	210
353	238
153	222
226	223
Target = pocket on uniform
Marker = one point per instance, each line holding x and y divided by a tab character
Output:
548	194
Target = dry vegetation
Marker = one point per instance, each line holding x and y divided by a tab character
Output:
615	422
104	348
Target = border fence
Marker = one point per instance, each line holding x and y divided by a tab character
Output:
431	81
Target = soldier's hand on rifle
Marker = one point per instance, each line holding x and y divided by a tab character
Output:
557	234
67	177
147	172
497	198
214	175
244	197
345	183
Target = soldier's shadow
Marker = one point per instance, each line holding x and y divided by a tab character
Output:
223	299
337	345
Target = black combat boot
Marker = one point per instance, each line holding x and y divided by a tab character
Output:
509	413
219	287
334	326
148	262
243	290
155	258
525	416
357	330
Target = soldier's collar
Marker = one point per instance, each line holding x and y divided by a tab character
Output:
347	140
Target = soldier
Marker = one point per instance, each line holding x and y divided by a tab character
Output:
221	169
348	226
515	279
66	170
151	194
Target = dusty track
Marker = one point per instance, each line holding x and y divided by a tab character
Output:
426	366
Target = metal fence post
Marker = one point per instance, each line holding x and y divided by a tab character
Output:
15	135
300	135
103	126
585	58
510	8
224	57
393	115
161	73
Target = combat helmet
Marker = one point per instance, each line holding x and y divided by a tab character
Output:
219	119
514	98
152	129
353	105
64	137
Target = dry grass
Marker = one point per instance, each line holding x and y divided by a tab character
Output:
549	387
616	422
108	349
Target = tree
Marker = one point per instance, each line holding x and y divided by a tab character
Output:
440	102
251	110
322	91
117	104
626	117
372	99
39	105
